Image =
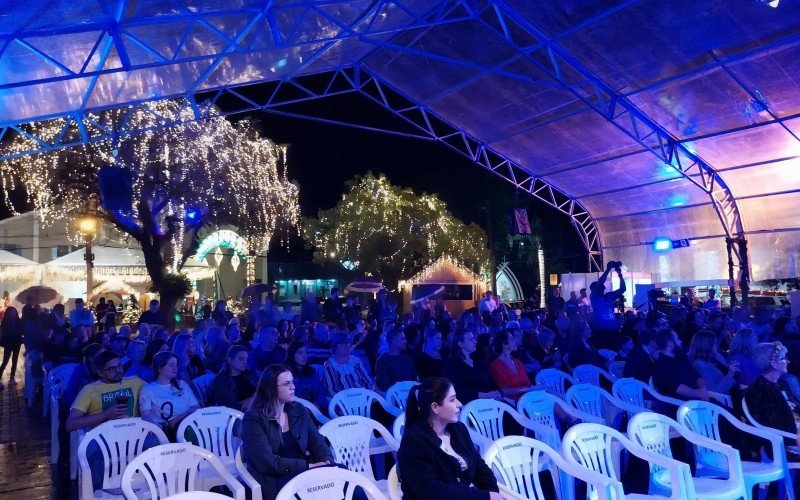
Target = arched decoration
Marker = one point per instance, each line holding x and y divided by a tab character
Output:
224	238
508	286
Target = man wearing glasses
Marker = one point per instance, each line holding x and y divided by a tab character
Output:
109	398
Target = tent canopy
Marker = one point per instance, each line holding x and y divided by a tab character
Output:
637	119
11	259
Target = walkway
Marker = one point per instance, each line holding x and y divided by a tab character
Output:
25	470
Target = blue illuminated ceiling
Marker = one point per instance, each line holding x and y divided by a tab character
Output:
636	118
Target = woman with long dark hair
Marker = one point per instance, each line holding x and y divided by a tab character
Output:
437	458
279	438
235	384
11	330
470	376
167	400
307	384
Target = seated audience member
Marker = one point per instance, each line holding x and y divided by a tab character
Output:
266	351
319	347
344	371
152	316
764	397
507	372
673	376
641	359
279	438
394	366
429	363
216	350
545	351
761	324
136	352
190	364
581	349
235	384
437	458
307	384
470	378
106	399
625	348
531	365
144	369
710	365
742	347
83	374
167	400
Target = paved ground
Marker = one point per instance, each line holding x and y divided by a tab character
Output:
25	470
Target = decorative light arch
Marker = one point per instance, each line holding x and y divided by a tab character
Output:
227	238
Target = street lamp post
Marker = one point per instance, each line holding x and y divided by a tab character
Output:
87	226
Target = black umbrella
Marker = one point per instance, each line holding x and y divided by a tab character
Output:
41	294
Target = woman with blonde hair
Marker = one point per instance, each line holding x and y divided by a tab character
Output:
719	376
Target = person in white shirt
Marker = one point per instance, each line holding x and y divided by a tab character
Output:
488	304
713	303
168	400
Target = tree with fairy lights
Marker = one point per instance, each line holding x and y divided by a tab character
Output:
392	233
183	178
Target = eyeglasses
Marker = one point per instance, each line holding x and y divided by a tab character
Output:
286	385
115	368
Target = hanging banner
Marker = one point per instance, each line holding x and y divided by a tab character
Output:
521	223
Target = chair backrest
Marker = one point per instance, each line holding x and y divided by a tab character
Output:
630	391
202	384
170	469
616	369
517	461
325	483
399	427
119	441
350	438
590	374
198	495
397	394
591	399
609	354
589	445
485	417
58	377
312	408
213	429
554	381
651	431
354	402
540	407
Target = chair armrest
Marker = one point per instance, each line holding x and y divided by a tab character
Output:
231	482
249	480
731	454
509	493
721	398
548	435
483	443
666	399
391	409
680	474
629	407
611	488
775	440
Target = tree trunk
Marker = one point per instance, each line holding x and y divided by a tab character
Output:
154	262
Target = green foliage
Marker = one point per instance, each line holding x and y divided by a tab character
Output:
174	285
392	233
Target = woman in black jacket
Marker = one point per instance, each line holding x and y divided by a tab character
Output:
11	330
279	438
437	458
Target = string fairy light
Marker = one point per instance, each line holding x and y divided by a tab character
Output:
184	176
412	231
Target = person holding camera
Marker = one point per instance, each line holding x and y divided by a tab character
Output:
604	324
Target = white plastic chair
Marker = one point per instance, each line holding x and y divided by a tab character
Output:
609	354
516	462
399	427
652	431
554	381
172	468
590	374
326	483
719	397
312	408
484	419
393	484
616	369
595	401
54	382
119	442
353	441
202	384
214	428
358	402
246	477
703	418
591	446
397	394
632	391
777	432
547	409
198	495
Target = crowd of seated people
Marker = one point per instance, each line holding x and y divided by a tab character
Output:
487	352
